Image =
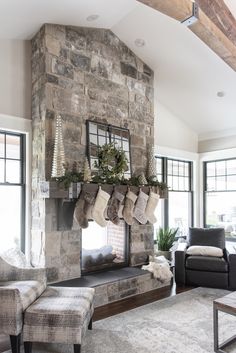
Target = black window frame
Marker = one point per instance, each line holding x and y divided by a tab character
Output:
164	178
22	183
205	188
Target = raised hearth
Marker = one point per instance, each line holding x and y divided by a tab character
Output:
114	285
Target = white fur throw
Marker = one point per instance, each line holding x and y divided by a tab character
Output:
161	270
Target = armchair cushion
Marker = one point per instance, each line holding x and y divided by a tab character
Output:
15	297
207	237
206	263
205	251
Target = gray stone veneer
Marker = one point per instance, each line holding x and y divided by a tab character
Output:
111	292
83	73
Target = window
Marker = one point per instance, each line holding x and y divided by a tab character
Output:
159	212
12	190
219	195
177	210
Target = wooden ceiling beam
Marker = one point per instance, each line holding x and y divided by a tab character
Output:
216	26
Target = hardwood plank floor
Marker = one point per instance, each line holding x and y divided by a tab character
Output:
121	306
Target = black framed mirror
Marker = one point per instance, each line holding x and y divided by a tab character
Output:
99	134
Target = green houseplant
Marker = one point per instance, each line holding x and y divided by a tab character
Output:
165	239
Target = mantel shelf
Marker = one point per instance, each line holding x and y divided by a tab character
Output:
55	190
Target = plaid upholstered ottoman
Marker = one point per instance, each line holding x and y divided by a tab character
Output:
59	315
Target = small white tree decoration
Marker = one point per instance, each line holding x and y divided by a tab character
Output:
58	161
87	172
151	172
142	179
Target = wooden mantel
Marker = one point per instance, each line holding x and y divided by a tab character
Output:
216	25
55	190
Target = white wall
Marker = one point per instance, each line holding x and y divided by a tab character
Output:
15	102
216	144
15	78
171	132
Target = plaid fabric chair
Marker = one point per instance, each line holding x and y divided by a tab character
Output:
19	287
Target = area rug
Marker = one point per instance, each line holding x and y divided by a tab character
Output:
178	324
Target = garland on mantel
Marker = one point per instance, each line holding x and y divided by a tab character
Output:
72	176
111	166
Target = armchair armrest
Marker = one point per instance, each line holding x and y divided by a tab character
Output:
231	258
11	311
9	272
180	255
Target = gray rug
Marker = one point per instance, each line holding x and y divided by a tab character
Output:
179	324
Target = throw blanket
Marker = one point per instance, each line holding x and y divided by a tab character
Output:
160	270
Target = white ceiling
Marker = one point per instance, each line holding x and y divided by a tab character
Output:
188	73
22	18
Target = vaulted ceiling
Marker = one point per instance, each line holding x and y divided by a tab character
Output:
189	70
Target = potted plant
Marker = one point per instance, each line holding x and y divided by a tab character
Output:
165	239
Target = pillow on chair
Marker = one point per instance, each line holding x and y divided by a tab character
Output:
205	251
207	237
15	257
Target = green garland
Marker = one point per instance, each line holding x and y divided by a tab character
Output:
70	176
111	165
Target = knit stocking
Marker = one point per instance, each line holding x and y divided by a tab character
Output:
113	208
79	215
89	198
100	206
140	206
130	200
151	206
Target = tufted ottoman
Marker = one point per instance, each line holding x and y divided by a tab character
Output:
59	315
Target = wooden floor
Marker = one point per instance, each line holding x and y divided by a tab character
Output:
121	306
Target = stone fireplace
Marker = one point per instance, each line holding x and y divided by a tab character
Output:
84	74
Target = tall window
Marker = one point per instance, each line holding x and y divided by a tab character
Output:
12	190
220	195
159	212
178	208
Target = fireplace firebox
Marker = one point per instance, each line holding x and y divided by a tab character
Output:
104	248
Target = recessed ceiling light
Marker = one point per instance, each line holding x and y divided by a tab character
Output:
139	42
92	18
220	94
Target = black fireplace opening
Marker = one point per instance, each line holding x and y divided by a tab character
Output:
104	247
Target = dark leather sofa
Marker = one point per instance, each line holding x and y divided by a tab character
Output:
206	271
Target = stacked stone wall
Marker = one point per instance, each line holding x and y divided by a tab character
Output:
84	73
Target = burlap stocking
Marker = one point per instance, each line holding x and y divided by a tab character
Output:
130	200
151	206
113	208
140	206
79	215
99	207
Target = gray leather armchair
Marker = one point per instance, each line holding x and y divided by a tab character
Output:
206	271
